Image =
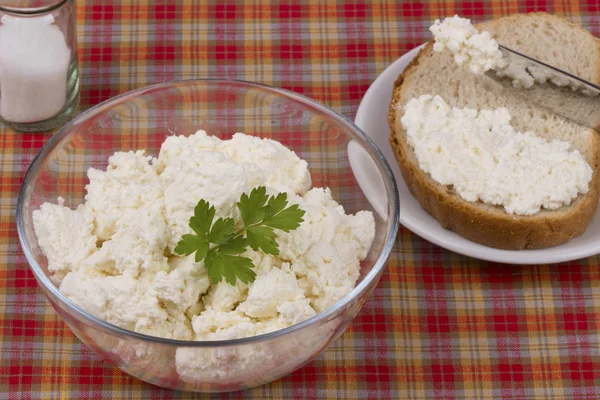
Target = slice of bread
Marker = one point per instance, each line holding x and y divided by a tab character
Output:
543	36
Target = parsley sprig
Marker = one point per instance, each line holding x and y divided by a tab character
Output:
220	246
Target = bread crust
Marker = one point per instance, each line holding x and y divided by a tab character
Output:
479	222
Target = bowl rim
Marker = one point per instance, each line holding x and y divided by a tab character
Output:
378	266
23	11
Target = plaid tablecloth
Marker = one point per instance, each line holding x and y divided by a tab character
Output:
439	325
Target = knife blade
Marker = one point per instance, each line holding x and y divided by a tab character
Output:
556	90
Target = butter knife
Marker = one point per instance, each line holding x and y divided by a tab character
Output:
550	87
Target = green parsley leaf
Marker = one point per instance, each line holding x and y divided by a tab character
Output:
219	245
214	272
188	244
261	237
221	231
275	204
202	252
237	245
287	220
252	207
231	268
243	268
203	218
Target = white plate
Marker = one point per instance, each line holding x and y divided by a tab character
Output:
372	118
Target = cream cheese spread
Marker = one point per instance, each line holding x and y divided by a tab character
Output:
485	159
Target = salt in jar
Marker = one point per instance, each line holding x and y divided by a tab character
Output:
39	80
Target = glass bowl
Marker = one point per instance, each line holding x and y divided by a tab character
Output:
339	156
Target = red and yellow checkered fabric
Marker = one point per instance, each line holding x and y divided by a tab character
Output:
439	325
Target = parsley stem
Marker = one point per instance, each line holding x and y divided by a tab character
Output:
245	228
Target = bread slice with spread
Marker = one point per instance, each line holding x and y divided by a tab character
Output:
550	39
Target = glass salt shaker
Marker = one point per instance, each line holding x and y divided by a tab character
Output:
39	80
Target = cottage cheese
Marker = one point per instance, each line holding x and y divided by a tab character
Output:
525	74
482	53
65	236
114	257
129	182
479	51
482	156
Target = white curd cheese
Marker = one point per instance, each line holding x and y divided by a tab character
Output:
137	245
525	74
269	163
207	175
225	297
114	255
129	182
65	236
484	158
270	290
479	51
